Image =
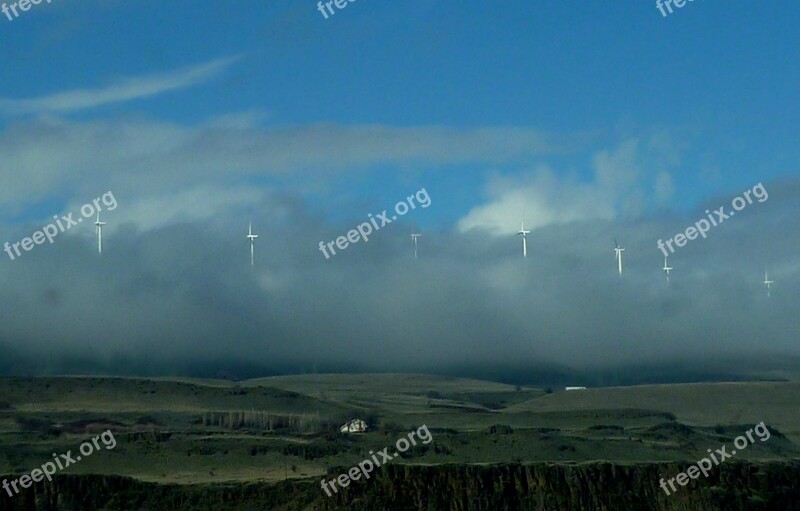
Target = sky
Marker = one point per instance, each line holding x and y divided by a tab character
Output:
589	121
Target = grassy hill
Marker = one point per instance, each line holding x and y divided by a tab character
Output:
286	428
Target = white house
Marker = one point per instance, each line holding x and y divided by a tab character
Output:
354	426
575	388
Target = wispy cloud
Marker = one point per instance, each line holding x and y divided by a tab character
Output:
62	156
127	89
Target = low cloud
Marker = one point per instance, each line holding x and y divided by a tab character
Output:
183	294
174	289
618	187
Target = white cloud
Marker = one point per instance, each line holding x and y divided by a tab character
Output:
127	89
664	187
544	198
134	157
541	199
199	204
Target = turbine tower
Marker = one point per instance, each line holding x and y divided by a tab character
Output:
618	255
767	282
522	232
666	269
99	228
415	237
251	237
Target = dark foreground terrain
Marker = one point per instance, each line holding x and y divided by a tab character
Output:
267	444
737	486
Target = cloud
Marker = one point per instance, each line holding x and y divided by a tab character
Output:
543	198
664	188
141	157
198	204
127	89
179	294
174	288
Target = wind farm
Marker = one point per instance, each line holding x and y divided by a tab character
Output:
666	269
522	232
434	321
251	238
415	238
99	230
768	283
618	256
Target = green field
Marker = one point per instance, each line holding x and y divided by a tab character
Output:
271	429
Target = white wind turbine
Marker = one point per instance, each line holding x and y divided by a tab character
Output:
666	269
522	232
618	256
415	237
99	228
252	237
767	282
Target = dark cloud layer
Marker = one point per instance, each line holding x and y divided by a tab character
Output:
182	299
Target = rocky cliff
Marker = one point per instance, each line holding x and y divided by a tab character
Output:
543	486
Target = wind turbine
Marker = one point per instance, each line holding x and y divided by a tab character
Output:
666	269
414	237
767	282
618	255
522	232
251	237
99	228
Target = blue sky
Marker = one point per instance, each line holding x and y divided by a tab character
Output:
590	120
719	80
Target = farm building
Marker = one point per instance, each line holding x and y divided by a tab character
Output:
354	426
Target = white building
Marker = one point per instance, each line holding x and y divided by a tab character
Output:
354	426
575	388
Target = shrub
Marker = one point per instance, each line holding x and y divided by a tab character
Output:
500	429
